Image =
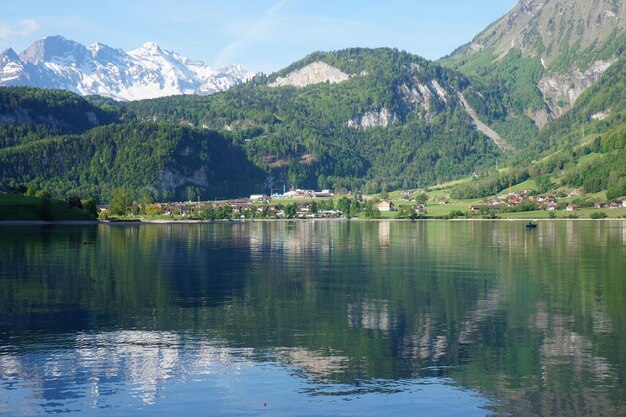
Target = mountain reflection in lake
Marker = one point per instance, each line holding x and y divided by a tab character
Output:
314	318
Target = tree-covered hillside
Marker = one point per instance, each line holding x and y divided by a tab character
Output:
387	120
584	149
27	114
163	161
396	121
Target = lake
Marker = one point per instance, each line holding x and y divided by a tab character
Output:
314	318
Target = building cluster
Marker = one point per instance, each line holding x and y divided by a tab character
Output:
537	202
386	205
298	193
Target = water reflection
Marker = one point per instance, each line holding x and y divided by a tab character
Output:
102	317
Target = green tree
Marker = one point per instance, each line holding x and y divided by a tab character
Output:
355	208
422	198
121	201
31	191
44	211
291	210
90	207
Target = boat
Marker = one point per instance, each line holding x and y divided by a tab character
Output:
531	225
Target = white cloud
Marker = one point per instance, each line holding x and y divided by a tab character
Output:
24	28
288	31
256	32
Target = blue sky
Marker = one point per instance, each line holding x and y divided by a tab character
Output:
263	35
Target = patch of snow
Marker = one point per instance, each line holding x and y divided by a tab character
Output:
146	72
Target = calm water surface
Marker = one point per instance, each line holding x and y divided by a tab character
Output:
314	319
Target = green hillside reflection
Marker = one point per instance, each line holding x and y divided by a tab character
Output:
530	318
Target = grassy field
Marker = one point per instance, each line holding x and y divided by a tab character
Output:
20	207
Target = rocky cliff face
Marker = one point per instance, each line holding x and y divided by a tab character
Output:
576	40
381	118
314	73
553	28
563	89
146	72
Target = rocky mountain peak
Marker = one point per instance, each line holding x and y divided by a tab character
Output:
8	55
146	72
552	28
574	42
54	48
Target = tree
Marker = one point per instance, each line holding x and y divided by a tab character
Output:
44	195
321	182
343	205
30	191
74	201
121	201
90	207
355	208
291	210
44	211
422	198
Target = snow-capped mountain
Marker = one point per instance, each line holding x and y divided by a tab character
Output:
146	72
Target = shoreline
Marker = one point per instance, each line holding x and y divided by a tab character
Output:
240	222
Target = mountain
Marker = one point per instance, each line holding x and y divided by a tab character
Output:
146	72
363	119
547	52
367	119
55	140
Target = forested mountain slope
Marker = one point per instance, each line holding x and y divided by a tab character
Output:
366	119
49	141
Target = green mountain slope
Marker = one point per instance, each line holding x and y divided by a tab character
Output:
547	52
28	114
584	149
363	119
164	161
388	120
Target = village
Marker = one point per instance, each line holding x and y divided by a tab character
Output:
325	204
527	200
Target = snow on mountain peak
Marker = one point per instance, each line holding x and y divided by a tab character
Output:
146	72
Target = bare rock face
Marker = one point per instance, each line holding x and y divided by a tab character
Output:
314	73
541	117
548	28
418	95
381	118
563	89
483	128
575	40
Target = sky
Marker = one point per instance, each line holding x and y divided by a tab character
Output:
263	35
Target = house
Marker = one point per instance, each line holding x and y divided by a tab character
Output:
475	209
258	197
420	209
552	205
600	204
386	205
571	207
615	205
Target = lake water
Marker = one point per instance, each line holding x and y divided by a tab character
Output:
319	318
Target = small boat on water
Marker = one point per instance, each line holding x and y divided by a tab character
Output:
531	225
